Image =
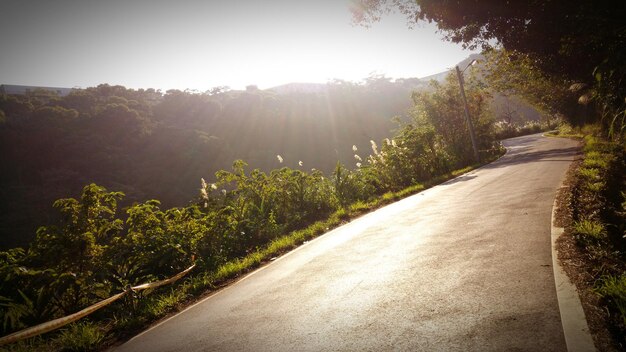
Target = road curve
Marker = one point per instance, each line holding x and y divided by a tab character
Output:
463	266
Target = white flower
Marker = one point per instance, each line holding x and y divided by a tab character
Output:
374	147
213	186
280	158
300	162
354	148
224	192
203	187
357	157
393	143
387	141
358	164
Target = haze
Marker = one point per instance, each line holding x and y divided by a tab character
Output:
203	44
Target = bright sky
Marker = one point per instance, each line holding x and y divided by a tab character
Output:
199	44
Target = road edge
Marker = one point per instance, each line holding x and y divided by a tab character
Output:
577	335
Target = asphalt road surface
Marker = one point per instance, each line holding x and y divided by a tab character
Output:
464	266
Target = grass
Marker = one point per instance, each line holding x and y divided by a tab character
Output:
565	130
589	174
599	159
81	336
595	160
163	303
29	345
613	289
589	232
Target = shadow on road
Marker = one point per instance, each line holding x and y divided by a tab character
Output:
520	156
462	178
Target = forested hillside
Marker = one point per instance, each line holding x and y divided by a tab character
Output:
98	246
154	145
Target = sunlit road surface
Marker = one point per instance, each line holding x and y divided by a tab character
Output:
464	266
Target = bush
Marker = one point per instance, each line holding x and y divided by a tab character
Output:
503	129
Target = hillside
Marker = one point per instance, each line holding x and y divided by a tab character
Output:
153	145
150	144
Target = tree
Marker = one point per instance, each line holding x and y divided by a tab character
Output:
54	115
516	74
443	109
63	268
570	37
580	41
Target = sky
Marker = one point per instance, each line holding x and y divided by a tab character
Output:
197	45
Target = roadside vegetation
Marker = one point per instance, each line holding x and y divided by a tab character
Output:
152	144
596	213
240	219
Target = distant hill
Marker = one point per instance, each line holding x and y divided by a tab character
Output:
439	77
20	89
299	88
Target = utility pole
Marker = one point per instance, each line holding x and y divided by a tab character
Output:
470	126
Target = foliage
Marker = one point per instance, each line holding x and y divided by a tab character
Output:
573	44
443	109
597	190
124	139
588	232
91	254
505	130
597	206
613	288
349	187
82	336
93	250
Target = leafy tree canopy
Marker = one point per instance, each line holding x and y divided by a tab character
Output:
579	41
570	37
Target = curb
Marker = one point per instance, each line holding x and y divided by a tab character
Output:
575	328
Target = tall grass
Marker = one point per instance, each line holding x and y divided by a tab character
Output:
81	336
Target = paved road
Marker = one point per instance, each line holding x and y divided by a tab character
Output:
464	266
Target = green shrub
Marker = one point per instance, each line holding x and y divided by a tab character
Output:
565	129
